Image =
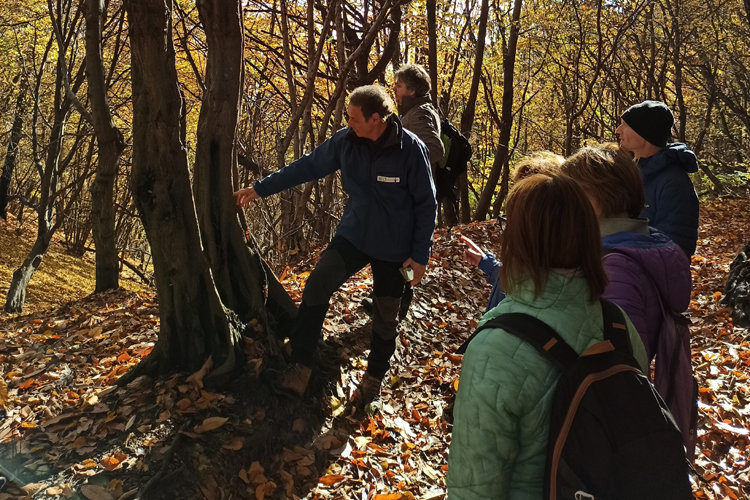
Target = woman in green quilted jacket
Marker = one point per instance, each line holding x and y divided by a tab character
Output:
552	270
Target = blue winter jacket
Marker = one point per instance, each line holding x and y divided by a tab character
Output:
671	200
391	207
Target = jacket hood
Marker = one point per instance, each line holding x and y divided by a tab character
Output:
662	260
672	154
410	101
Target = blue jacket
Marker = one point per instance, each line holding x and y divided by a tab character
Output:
671	200
490	266
391	207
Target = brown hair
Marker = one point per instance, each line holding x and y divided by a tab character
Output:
415	77
543	162
551	225
372	99
610	176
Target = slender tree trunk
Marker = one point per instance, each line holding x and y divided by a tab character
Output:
17	292
194	322
432	41
467	117
111	144
10	156
506	115
49	177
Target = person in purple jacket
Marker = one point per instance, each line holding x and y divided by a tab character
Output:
649	274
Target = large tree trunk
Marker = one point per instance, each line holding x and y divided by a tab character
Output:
10	156
236	271
111	144
194	322
506	115
239	273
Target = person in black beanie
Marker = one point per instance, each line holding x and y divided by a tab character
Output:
671	201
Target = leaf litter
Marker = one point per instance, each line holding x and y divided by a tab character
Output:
67	430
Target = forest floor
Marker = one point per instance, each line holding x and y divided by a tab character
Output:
66	432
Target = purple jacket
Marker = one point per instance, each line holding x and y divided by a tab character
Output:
650	280
635	263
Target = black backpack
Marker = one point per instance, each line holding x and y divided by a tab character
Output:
611	436
457	155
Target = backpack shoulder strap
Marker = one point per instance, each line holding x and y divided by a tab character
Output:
534	332
615	327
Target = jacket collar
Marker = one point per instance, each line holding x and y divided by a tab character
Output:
392	137
616	225
409	102
675	154
564	287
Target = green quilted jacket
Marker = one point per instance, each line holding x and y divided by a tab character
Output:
499	443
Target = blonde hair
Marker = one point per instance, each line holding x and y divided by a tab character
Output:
610	176
542	162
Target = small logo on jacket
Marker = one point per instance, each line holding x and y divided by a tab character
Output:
388	179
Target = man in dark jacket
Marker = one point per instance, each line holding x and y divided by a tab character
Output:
671	200
418	116
387	222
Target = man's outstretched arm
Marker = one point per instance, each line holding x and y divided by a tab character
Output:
320	162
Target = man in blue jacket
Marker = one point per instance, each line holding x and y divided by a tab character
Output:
671	200
387	222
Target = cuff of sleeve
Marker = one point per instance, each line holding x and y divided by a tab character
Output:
420	259
262	191
487	263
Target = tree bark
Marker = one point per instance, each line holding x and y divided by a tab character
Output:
432	49
506	115
194	322
17	292
111	144
15	137
49	174
467	117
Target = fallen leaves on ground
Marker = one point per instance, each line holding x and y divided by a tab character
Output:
66	428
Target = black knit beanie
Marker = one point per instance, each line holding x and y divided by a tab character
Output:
652	120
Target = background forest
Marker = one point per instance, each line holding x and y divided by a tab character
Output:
125	125
515	77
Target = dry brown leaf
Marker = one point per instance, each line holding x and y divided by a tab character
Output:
209	488
210	424
331	479
54	490
255	470
234	444
197	377
86	464
404	495
264	489
95	492
3	392
32	488
288	483
115	488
